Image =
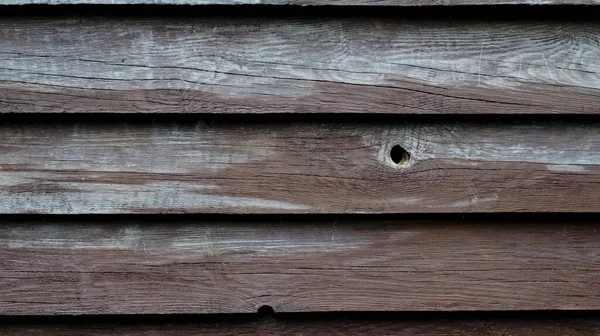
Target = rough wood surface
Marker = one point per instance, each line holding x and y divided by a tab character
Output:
307	2
315	327
270	166
174	266
305	65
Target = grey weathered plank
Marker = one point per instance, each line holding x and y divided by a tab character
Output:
307	2
175	266
312	326
305	65
267	166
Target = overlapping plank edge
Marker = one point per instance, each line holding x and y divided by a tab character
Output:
300	265
306	2
144	165
589	326
298	65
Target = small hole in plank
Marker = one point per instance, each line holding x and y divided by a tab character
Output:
265	310
399	155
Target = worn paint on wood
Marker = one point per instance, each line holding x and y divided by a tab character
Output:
236	266
297	167
304	65
311	326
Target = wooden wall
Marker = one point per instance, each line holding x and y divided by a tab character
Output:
344	167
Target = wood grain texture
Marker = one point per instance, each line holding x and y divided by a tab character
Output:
304	65
306	2
315	327
270	166
197	267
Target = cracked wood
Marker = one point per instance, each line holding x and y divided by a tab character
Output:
269	166
175	265
298	65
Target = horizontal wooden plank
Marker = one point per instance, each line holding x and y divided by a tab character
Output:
175	266
304	65
306	2
270	166
316	327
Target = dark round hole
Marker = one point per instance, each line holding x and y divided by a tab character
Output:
399	155
265	310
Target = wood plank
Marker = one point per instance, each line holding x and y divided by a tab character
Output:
232	266
315	327
306	2
105	166
298	65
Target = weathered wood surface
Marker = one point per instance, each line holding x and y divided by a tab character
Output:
307	2
305	65
269	166
314	327
175	266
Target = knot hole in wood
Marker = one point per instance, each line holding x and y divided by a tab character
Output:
399	155
265	310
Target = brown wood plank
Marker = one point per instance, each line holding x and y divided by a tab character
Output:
175	266
303	65
307	2
270	166
316	327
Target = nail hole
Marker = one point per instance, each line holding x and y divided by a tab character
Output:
265	310
399	155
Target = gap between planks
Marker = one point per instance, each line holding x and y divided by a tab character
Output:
316	326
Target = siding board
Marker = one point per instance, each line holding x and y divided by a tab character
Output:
236	266
298	65
267	166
